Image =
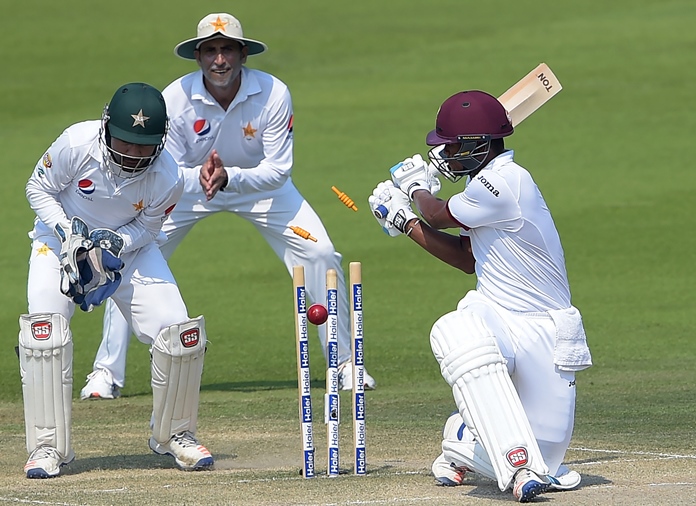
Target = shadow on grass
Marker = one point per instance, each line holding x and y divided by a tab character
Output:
125	462
242	386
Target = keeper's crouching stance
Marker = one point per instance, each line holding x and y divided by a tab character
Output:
100	194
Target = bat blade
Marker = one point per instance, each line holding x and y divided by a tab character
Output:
530	93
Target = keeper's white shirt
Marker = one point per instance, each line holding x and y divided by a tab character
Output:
71	179
519	258
255	132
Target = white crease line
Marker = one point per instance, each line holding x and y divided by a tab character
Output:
618	461
678	484
31	501
625	452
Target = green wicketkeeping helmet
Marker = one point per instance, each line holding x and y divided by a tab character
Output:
137	114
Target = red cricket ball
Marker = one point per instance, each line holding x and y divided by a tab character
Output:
317	314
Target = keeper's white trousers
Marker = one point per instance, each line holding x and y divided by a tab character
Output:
270	213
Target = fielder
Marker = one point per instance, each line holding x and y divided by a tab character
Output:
232	135
512	347
100	194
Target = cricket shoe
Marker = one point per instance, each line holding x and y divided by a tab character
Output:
45	462
345	378
446	473
188	453
565	479
528	485
100	385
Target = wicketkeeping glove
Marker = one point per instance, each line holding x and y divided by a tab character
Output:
99	271
413	174
75	244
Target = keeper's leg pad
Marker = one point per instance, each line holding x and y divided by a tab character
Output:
45	361
471	362
177	366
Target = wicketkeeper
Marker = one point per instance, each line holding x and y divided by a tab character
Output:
100	194
511	348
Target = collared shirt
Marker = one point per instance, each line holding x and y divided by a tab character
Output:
72	179
253	137
519	258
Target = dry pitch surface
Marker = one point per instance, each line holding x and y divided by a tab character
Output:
258	464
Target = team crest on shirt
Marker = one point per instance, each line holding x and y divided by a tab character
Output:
249	131
47	162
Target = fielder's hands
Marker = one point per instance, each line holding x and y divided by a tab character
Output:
75	244
391	208
414	174
213	175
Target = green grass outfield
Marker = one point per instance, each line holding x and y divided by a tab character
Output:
611	153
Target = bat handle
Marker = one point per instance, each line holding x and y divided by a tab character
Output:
381	212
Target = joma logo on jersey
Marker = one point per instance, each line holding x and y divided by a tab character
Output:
488	185
41	330
190	338
517	457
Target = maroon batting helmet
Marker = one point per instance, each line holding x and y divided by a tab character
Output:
472	119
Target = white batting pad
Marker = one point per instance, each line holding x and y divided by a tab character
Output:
461	447
471	362
45	361
177	366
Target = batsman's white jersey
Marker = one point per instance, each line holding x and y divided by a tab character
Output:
70	180
522	290
254	139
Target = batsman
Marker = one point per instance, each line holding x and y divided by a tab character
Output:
100	193
512	346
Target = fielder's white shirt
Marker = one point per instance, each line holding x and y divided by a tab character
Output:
253	136
71	179
519	258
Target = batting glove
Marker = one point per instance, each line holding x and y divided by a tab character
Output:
379	203
400	212
412	174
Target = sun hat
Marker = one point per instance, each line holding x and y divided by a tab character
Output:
214	26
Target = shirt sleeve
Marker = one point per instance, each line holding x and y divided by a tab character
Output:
487	201
275	168
52	174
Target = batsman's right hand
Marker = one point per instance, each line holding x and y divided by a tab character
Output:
379	203
75	244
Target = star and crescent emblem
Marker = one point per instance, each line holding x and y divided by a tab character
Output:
139	119
219	25
249	131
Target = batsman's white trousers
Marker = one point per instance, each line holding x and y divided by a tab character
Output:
527	341
270	213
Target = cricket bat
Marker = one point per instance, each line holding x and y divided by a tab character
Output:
530	93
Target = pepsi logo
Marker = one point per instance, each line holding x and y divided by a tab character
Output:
201	126
86	186
41	330
190	338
